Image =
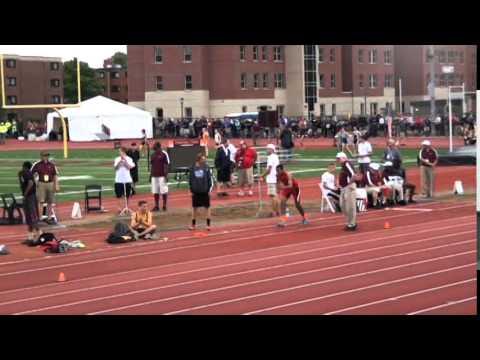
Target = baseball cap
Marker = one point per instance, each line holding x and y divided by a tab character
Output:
341	155
271	147
45	153
375	166
388	163
426	143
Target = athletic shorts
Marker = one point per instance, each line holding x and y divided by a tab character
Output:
201	200
272	189
223	175
121	188
293	191
159	185
46	193
134	174
245	176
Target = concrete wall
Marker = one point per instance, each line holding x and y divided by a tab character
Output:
294	72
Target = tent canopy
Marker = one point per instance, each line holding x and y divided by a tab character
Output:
101	118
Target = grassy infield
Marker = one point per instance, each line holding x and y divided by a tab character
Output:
99	165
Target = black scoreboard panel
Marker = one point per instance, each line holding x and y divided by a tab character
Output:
268	119
183	155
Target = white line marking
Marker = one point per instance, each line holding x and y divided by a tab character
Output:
400	296
407	209
443	305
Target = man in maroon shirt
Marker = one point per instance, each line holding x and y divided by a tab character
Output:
347	183
48	186
159	172
427	159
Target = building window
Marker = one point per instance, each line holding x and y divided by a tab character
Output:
362	108
322	109
361	80
242	52
428	55
372	56
388	80
373	108
321	81
159	112
11	100
56	99
388	57
264	53
265	81
360	56
441	56
333	81
332	55
54	83
115	89
11	63
12	81
256	80
244	109
188	82
281	109
278	53
54	66
158	55
188	113
255	53
279	81
243	81
372	81
460	57
320	55
115	75
101	75
159	82
187	54
334	109
451	56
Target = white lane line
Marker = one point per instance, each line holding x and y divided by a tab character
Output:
214	243
242	272
400	296
443	305
269	292
407	209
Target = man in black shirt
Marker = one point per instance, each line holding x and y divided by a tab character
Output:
29	192
201	184
286	141
134	153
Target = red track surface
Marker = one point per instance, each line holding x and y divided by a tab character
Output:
426	263
410	142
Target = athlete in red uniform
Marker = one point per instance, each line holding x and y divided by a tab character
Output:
288	186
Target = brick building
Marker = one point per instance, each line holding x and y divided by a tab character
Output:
413	68
114	80
32	80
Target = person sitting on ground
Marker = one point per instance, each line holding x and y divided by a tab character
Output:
330	187
373	180
394	182
142	225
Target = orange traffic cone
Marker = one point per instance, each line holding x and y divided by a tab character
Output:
61	277
387	225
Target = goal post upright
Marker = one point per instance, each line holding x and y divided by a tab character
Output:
55	107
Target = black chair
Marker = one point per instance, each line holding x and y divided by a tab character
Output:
10	205
93	192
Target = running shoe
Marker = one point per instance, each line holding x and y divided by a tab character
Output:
305	222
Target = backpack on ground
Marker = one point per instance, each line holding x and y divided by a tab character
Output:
41	240
121	234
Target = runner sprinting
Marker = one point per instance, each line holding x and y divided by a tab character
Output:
288	186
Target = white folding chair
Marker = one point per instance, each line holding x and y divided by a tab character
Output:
326	199
362	199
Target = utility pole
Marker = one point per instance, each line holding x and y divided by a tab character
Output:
400	94
432	83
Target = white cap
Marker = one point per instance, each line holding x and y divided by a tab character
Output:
341	155
388	163
426	143
271	147
375	166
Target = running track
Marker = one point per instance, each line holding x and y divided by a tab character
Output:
425	264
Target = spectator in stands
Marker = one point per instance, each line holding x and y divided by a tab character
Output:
394	182
159	176
141	224
427	160
329	184
392	154
223	166
373	183
245	159
134	154
364	152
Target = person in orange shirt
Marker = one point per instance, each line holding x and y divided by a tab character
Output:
204	140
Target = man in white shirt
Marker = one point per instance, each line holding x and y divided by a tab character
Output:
270	176
381	123
364	152
330	186
233	152
123	180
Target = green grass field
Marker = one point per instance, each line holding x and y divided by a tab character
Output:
96	167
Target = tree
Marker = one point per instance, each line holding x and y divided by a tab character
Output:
91	86
120	58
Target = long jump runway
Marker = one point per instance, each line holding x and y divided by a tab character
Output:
424	264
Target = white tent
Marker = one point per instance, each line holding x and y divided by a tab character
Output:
100	118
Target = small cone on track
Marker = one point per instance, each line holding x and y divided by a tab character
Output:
61	277
387	225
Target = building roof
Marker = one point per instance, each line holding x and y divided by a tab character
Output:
31	58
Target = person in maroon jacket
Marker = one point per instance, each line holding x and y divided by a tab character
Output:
47	174
427	159
374	184
245	158
347	183
159	172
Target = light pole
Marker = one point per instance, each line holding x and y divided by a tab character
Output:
181	109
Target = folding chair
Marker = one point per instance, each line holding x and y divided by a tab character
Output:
10	205
93	192
362	199
325	199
